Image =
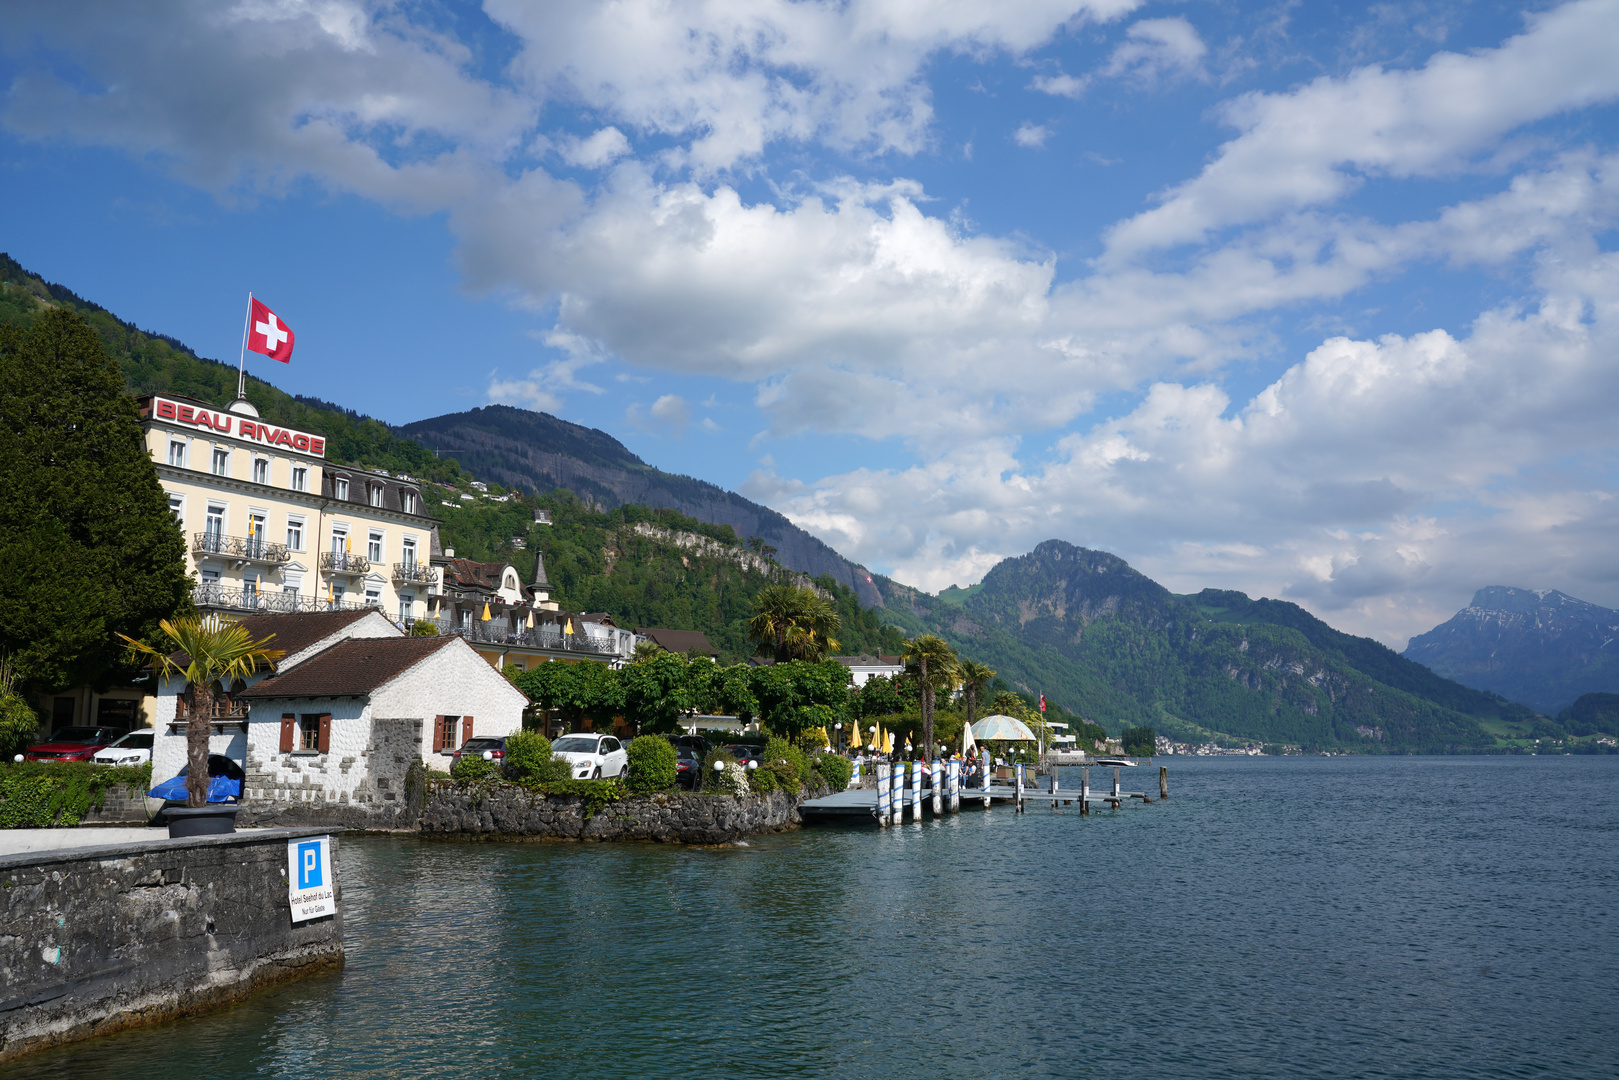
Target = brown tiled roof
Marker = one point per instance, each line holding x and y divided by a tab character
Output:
349	668
470	574
294	632
600	618
679	641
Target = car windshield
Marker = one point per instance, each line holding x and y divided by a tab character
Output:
79	735
135	740
574	744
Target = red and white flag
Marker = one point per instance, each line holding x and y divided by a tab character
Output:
268	335
1042	703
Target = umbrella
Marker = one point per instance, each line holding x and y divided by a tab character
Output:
888	742
967	743
854	742
1002	727
485	612
907	744
531	619
568	629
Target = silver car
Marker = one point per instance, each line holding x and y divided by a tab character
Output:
592	757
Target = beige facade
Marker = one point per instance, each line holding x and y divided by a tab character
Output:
271	525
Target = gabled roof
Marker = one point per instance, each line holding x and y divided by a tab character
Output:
294	632
469	574
679	641
600	618
351	668
866	660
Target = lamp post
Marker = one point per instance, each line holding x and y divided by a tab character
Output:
838	729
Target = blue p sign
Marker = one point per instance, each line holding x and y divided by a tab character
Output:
310	874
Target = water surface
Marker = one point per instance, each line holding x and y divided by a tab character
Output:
1299	917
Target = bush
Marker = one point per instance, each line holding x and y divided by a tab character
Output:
18	725
423	628
835	769
529	759
652	765
790	764
763	780
474	769
814	739
39	794
733	780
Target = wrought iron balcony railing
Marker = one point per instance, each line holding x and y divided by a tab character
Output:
341	562
246	548
217	598
414	573
496	632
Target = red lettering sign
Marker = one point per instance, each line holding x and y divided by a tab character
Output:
185	415
317	446
249	429
282	437
300	442
165	409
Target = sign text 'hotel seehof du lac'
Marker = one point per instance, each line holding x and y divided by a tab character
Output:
246	429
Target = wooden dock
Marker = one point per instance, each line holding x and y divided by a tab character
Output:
863	805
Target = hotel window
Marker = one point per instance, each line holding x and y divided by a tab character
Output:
300	478
255	534
373	547
407	552
177	453
295	534
407	501
336	591
177	507
214	528
340	489
376	494
261	470
373	596
406	603
221	461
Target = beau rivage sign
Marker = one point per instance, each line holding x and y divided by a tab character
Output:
241	428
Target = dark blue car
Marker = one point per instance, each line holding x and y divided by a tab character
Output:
224	782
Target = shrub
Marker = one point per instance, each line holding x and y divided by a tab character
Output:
835	769
529	759
18	725
423	628
733	780
474	769
652	765
763	780
790	764
39	794
813	739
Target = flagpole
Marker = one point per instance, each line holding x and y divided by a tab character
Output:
241	365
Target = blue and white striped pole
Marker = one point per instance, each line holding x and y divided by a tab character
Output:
882	794
983	764
936	777
898	801
916	790
1017	795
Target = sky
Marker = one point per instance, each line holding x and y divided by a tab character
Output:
1314	301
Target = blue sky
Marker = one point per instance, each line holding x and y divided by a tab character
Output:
1311	301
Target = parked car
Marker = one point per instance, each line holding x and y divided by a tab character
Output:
73	744
493	745
688	764
696	742
592	757
133	749
746	752
224	782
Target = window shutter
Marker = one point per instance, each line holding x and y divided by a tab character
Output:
466	729
289	724
325	744
438	734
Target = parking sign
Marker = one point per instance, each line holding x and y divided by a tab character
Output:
311	878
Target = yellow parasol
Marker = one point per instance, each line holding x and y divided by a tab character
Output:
854	736
877	740
888	742
531	618
568	628
486	611
907	744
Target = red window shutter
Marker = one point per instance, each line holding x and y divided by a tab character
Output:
289	724
438	734
466	729
325	744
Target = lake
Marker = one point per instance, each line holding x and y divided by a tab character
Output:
1278	917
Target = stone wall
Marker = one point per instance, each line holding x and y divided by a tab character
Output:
120	804
676	817
362	784
96	940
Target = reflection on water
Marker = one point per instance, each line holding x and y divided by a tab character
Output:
1293	917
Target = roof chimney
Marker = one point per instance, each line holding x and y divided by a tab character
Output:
449	553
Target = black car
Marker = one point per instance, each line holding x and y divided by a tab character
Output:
746	752
494	746
688	764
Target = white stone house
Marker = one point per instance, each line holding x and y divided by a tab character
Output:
344	726
865	667
299	636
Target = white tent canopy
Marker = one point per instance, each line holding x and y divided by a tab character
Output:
1000	726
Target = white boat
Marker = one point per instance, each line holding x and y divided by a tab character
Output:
1125	762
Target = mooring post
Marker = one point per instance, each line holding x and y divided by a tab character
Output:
953	786
882	794
916	790
1117	802
1084	790
898	802
985	766
1017	791
936	778
1163	781
1054	785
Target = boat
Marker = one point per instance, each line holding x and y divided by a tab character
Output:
1125	762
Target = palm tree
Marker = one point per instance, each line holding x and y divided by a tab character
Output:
213	650
791	623
973	677
935	665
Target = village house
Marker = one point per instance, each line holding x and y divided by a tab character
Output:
865	667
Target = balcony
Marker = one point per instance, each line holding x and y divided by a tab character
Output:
496	632
341	562
242	549
211	597
414	573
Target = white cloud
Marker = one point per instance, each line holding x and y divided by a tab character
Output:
1156	50
1067	86
603	148
1031	135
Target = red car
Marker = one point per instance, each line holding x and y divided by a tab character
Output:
73	744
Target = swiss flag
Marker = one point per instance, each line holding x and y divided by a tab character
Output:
1042	703
269	335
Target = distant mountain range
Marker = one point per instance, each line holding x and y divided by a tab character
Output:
1544	648
535	451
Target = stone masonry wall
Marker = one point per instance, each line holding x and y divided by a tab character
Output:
96	940
361	784
674	817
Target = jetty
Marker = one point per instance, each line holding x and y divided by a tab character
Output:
900	794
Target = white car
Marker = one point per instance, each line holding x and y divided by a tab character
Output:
592	757
133	749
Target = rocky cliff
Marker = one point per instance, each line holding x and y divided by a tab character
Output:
1541	647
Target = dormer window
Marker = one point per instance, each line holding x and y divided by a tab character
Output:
376	494
340	489
407	501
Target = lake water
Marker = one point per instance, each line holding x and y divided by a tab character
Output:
1297	917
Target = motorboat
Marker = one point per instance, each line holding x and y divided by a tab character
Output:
1118	761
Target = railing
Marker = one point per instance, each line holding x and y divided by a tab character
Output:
251	548
341	562
414	573
498	633
216	597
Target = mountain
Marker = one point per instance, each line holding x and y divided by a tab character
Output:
537	452
1544	648
1115	646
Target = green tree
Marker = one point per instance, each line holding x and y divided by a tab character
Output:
213	650
657	688
724	691
973	677
933	665
800	694
89	547
790	623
